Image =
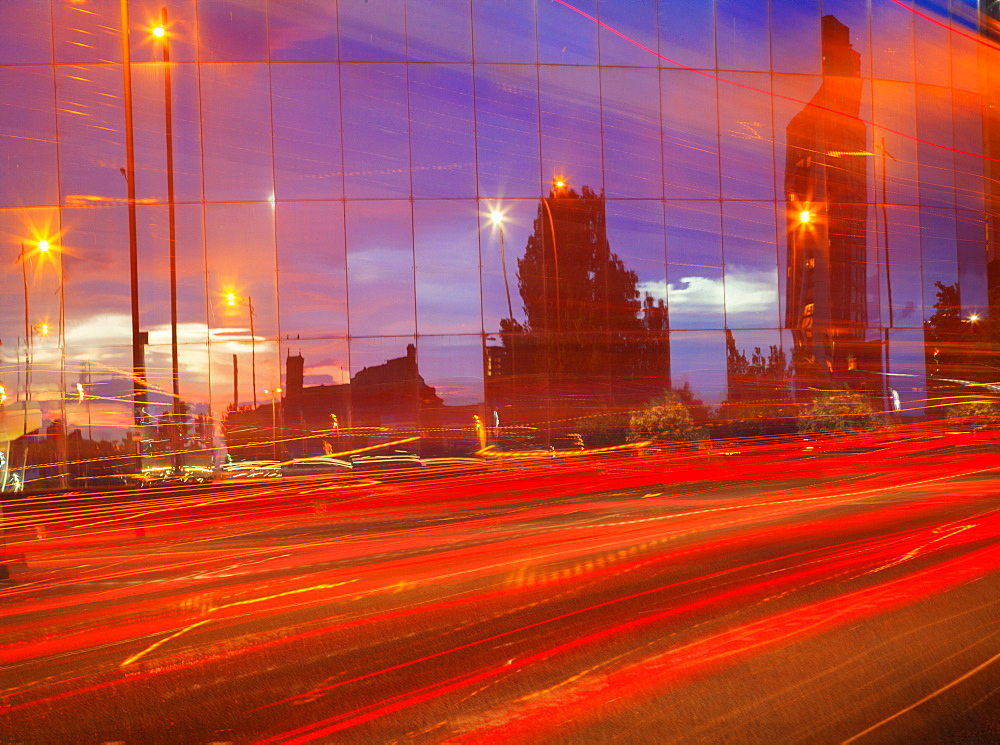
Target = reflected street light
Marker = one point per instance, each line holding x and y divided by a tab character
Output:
497	217
161	33
232	300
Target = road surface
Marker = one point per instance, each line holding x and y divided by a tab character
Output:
844	593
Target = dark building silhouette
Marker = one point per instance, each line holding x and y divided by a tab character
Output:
381	403
589	342
826	194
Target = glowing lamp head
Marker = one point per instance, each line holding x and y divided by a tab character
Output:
230	299
159	32
559	184
79	392
43	329
3	394
806	217
497	217
44	246
974	317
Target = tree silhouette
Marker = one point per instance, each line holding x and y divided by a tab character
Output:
584	317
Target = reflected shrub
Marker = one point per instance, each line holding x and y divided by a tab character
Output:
839	411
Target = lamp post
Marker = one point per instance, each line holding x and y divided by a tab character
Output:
232	300
139	338
497	218
160	32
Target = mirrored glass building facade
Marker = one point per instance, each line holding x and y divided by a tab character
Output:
452	222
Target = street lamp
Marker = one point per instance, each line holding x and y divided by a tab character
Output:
160	32
496	216
232	300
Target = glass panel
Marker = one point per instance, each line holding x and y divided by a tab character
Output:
507	131
632	134
500	247
932	44
894	108
315	414
446	254
237	132
937	164
757	370
86	34
380	268
751	281
105	414
442	131
907	381
571	126
743	35
892	41
972	274
453	367
687	34
636	236
439	30
302	30
308	162
182	24
904	267
149	121
504	30
27	26
795	36
746	138
638	21
372	30
856	17
312	284
452	419
939	252
690	138
98	296
376	143
91	147
564	36
232	30
387	388
698	360
28	151
241	261
969	185
696	296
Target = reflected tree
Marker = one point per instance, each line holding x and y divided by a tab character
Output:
759	399
588	337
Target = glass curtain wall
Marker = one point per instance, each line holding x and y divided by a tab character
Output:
458	223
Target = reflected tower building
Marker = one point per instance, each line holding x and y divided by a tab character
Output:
826	194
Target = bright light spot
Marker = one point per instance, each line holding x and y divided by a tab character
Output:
43	329
560	184
79	392
230	298
3	394
159	32
974	317
43	246
805	217
497	217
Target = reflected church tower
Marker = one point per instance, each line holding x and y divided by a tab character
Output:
826	200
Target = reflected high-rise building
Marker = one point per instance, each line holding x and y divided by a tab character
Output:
826	195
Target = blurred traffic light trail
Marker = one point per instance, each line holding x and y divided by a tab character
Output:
686	593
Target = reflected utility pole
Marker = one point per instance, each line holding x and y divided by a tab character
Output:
162	33
138	351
